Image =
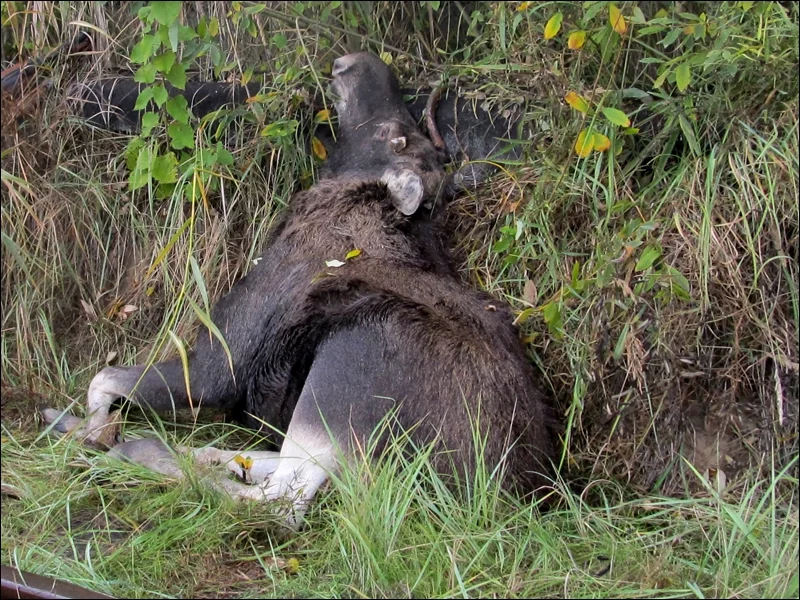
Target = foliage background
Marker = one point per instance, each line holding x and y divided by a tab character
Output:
655	281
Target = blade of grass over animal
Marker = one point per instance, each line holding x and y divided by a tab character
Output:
179	346
205	318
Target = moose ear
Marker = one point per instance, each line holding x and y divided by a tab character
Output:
405	188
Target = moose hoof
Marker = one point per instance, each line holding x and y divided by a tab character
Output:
101	436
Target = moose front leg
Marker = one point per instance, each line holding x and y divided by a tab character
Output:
161	388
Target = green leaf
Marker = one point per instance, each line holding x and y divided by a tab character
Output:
186	33
670	38
181	135
178	109
144	49
648	257
172	34
140	176
617	117
213	27
680	285
177	76
688	134
165	13
619	347
146	73
149	120
279	129
683	76
552	316
144	97
553	26
279	41
651	29
255	9
661	78
223	156
132	152
160	94
165	168
164	61
138	179
503	244
592	8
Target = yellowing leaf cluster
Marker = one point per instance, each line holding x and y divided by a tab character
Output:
589	140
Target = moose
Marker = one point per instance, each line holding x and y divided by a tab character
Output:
324	353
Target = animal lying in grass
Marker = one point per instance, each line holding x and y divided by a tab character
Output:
324	350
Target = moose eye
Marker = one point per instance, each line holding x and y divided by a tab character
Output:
398	144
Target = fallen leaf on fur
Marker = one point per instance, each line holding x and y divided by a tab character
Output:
352	254
333	263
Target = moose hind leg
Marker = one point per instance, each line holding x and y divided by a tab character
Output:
308	457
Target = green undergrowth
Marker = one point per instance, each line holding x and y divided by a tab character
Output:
388	528
646	236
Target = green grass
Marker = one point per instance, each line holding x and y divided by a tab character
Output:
677	380
387	529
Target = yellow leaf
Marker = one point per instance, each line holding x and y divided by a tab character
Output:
319	149
577	102
553	26
352	254
323	116
523	6
386	57
601	143
576	40
245	462
616	19
583	146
